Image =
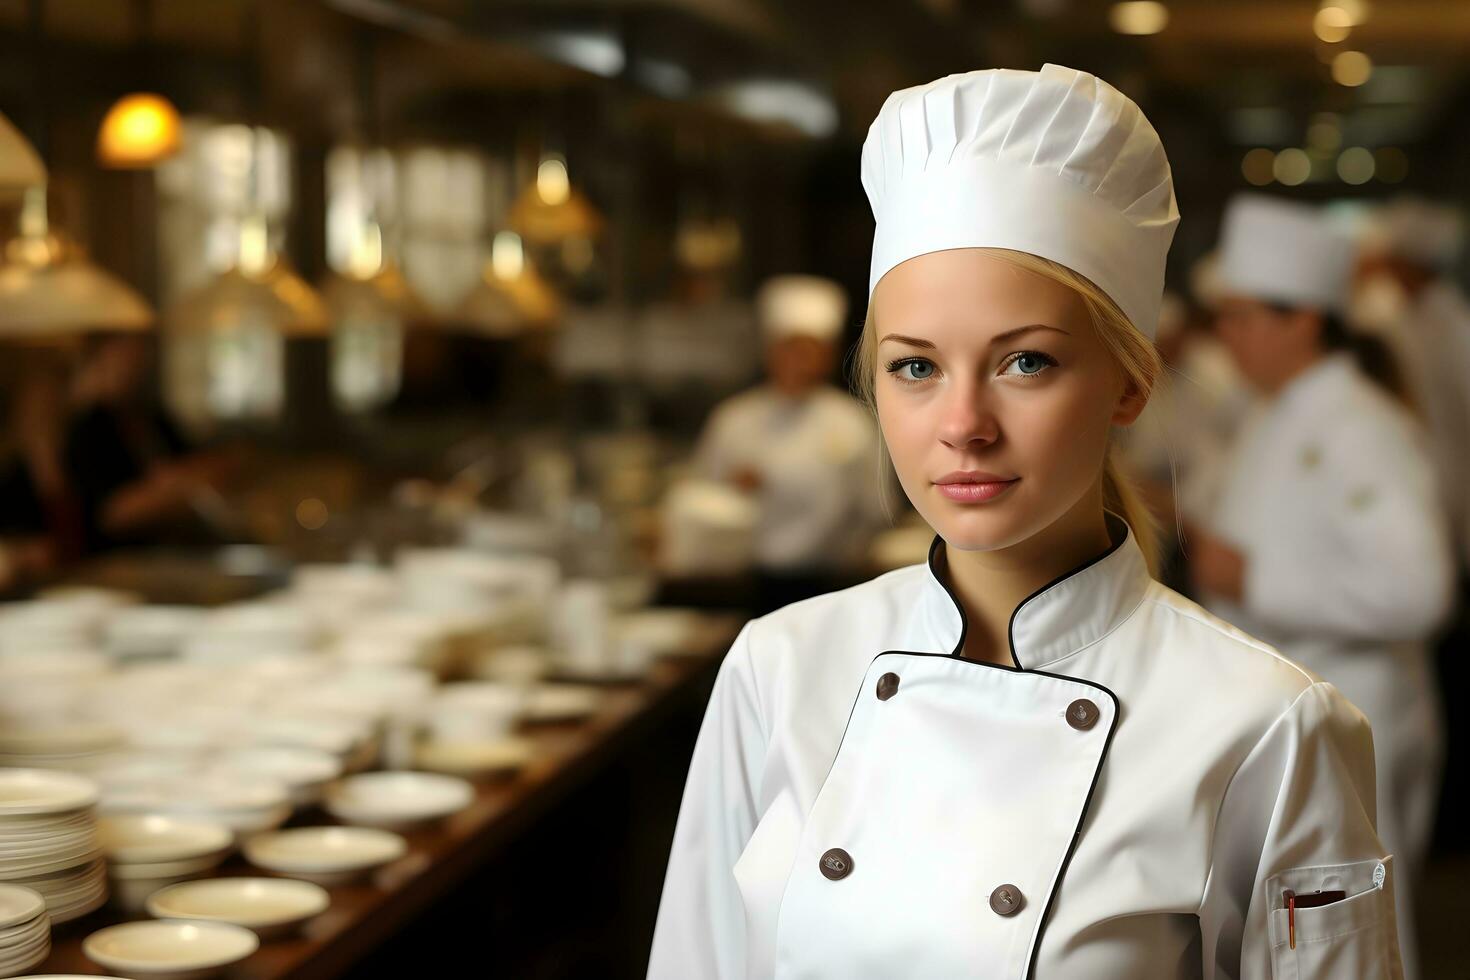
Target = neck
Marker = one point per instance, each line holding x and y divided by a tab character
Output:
991	584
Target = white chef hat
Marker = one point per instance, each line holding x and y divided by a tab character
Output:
1057	163
1418	231
806	306
1283	252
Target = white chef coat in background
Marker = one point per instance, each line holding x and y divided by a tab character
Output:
1131	799
1331	497
820	495
1430	338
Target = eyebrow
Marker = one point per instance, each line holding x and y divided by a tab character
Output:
1013	332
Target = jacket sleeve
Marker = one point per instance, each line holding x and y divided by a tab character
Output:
1378	564
1298	815
700	931
714	451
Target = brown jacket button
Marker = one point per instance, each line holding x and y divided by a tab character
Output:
1082	714
836	864
1006	900
887	686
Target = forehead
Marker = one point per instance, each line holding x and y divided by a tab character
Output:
966	290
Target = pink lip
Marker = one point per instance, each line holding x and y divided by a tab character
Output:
973	487
971	476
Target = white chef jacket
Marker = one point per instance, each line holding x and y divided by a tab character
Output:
1431	341
818	458
1130	799
1331	496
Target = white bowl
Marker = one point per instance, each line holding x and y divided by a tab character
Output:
25	792
19	905
150	838
166	869
514	664
60	738
270	907
476	758
474	710
244	804
176	950
397	799
339	737
304	771
329	856
131	894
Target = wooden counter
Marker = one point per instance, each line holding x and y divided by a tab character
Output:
437	904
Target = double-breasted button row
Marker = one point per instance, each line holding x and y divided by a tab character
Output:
836	864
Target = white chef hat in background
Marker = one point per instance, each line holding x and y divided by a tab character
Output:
1284	252
1419	231
1057	163
806	306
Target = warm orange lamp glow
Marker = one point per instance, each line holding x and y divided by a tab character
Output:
140	130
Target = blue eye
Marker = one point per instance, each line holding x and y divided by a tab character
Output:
1028	363
922	369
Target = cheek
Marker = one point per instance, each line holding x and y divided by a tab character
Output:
1059	431
907	429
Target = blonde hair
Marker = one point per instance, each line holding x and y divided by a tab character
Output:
1133	352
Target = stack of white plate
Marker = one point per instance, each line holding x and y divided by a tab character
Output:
72	893
147	852
25	930
48	839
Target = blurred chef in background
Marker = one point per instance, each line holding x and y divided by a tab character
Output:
1328	539
137	479
1404	294
1176	449
805	450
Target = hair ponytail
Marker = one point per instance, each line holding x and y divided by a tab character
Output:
1122	498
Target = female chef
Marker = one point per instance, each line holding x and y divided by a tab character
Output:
1328	539
1023	757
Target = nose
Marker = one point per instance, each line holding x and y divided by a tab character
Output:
967	419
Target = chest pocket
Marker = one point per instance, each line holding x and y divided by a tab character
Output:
944	825
1352	937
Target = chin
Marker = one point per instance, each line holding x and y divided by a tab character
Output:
981	527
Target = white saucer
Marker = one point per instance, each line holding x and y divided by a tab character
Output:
475	758
326	855
270	907
34	792
397	799
176	950
151	838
